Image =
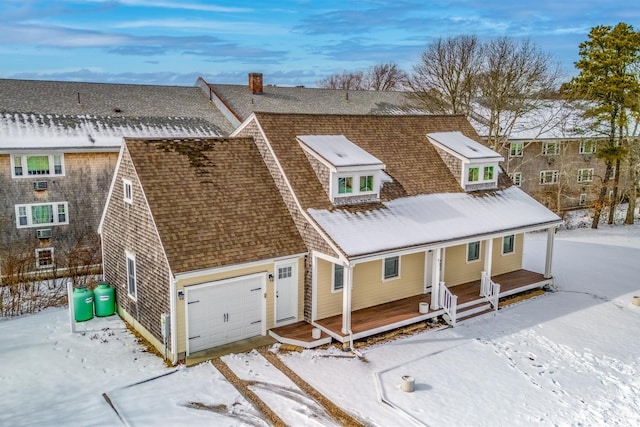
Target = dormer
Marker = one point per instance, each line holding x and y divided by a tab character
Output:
474	165
348	173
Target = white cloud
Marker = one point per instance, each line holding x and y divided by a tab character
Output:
187	6
226	26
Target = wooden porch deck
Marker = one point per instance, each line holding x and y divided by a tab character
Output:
388	316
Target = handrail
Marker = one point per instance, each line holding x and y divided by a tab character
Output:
489	290
449	302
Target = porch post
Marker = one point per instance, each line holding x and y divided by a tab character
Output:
551	232
346	299
488	255
435	278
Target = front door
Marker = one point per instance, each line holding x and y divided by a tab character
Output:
286	292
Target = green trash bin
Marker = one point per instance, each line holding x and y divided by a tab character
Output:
82	304
104	299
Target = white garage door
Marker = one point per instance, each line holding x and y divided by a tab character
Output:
223	312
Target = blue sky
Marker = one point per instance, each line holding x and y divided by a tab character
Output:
290	42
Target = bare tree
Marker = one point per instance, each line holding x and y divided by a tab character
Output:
444	81
515	79
380	77
383	77
348	80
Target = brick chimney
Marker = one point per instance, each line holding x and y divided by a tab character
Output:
255	82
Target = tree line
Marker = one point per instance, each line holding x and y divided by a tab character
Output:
498	81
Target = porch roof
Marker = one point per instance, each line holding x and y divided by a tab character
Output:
431	219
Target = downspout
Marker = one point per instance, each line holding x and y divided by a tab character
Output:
173	319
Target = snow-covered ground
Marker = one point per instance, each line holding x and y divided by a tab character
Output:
570	357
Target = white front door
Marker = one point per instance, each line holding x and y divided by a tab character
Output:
286	293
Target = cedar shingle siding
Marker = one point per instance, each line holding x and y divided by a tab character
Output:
198	204
129	227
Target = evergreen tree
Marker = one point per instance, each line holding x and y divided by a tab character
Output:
607	81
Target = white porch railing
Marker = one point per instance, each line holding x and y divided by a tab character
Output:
489	290
449	302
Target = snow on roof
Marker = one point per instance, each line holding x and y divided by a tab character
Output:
432	218
339	151
46	131
550	119
464	146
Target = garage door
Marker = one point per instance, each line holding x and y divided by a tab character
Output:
222	312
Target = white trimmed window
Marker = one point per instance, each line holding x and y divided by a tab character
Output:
345	185
391	268
587	147
37	165
550	148
44	258
585	175
284	272
131	275
40	214
508	244
583	199
516	149
481	174
473	175
548	177
516	178
338	278
473	251
128	191
366	183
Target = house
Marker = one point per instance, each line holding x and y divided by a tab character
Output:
396	211
59	142
347	225
237	102
197	240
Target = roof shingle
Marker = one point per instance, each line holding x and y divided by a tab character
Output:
213	201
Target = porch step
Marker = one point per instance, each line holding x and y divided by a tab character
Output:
474	310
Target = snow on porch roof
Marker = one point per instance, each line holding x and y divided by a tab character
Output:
339	151
432	218
464	146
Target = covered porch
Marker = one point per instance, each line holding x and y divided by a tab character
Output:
406	311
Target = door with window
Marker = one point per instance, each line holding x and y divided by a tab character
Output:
286	287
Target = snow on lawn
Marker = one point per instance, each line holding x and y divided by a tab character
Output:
570	357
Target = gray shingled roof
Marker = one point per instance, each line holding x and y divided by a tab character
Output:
112	104
275	99
23	131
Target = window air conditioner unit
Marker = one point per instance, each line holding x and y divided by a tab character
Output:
40	185
44	233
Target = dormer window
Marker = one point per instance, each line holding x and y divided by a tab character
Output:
348	173
345	185
474	165
366	183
